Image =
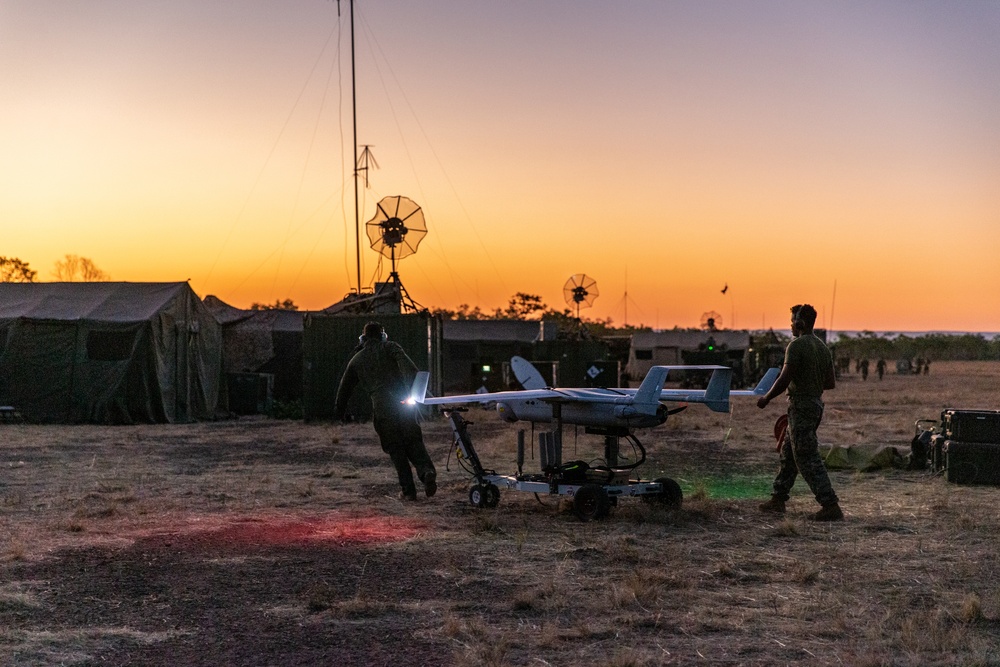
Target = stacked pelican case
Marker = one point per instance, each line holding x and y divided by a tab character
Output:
967	448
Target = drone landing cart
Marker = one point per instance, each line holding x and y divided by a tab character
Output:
594	489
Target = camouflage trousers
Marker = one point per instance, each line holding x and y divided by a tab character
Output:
800	452
403	441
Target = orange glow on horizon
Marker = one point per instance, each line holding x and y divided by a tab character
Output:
685	149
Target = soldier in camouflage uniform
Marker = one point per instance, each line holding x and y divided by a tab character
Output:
385	373
806	373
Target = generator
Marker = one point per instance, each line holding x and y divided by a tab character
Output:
981	426
972	462
964	446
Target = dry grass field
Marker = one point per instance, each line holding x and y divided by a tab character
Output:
263	542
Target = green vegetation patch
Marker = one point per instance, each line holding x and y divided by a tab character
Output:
729	486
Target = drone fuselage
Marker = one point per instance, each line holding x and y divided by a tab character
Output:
598	414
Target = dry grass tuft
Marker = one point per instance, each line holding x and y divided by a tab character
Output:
15	550
479	645
786	528
971	610
319	597
700	492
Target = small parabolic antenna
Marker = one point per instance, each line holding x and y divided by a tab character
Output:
711	321
396	231
580	291
397	228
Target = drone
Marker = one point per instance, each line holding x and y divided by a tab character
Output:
612	412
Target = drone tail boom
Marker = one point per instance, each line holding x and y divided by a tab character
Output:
762	387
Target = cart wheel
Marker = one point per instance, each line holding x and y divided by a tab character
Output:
671	494
491	495
591	502
477	495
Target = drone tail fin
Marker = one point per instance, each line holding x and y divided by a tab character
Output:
649	390
717	392
766	382
418	392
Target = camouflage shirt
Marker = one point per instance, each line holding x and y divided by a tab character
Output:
383	371
810	362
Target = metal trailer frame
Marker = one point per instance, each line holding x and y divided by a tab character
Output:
593	497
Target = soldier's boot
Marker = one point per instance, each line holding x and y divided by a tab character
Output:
430	483
773	506
831	512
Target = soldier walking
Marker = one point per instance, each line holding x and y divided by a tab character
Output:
806	373
385	373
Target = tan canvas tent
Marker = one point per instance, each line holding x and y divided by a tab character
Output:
108	353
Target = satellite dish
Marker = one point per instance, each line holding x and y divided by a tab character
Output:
580	291
711	321
397	228
396	231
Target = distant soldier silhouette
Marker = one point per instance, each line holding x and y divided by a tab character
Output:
864	369
880	368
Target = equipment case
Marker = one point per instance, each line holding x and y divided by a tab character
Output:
971	425
936	454
972	462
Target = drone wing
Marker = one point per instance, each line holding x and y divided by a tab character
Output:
418	394
715	396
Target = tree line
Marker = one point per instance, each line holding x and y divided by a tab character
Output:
524	306
935	346
71	268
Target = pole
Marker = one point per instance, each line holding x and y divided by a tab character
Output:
354	124
833	302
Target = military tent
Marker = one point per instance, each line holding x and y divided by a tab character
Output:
261	342
108	353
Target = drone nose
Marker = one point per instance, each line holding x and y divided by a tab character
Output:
506	413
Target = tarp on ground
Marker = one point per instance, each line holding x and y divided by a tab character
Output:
108	353
863	457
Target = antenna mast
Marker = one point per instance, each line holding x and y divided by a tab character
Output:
833	302
354	127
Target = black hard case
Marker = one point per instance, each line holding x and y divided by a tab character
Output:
936	453
971	425
972	462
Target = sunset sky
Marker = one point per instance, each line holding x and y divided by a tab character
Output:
845	154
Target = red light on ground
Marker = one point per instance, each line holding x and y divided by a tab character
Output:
264	530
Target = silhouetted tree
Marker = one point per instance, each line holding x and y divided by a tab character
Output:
524	306
278	304
73	268
13	270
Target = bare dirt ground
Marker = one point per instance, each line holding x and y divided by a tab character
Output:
262	542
